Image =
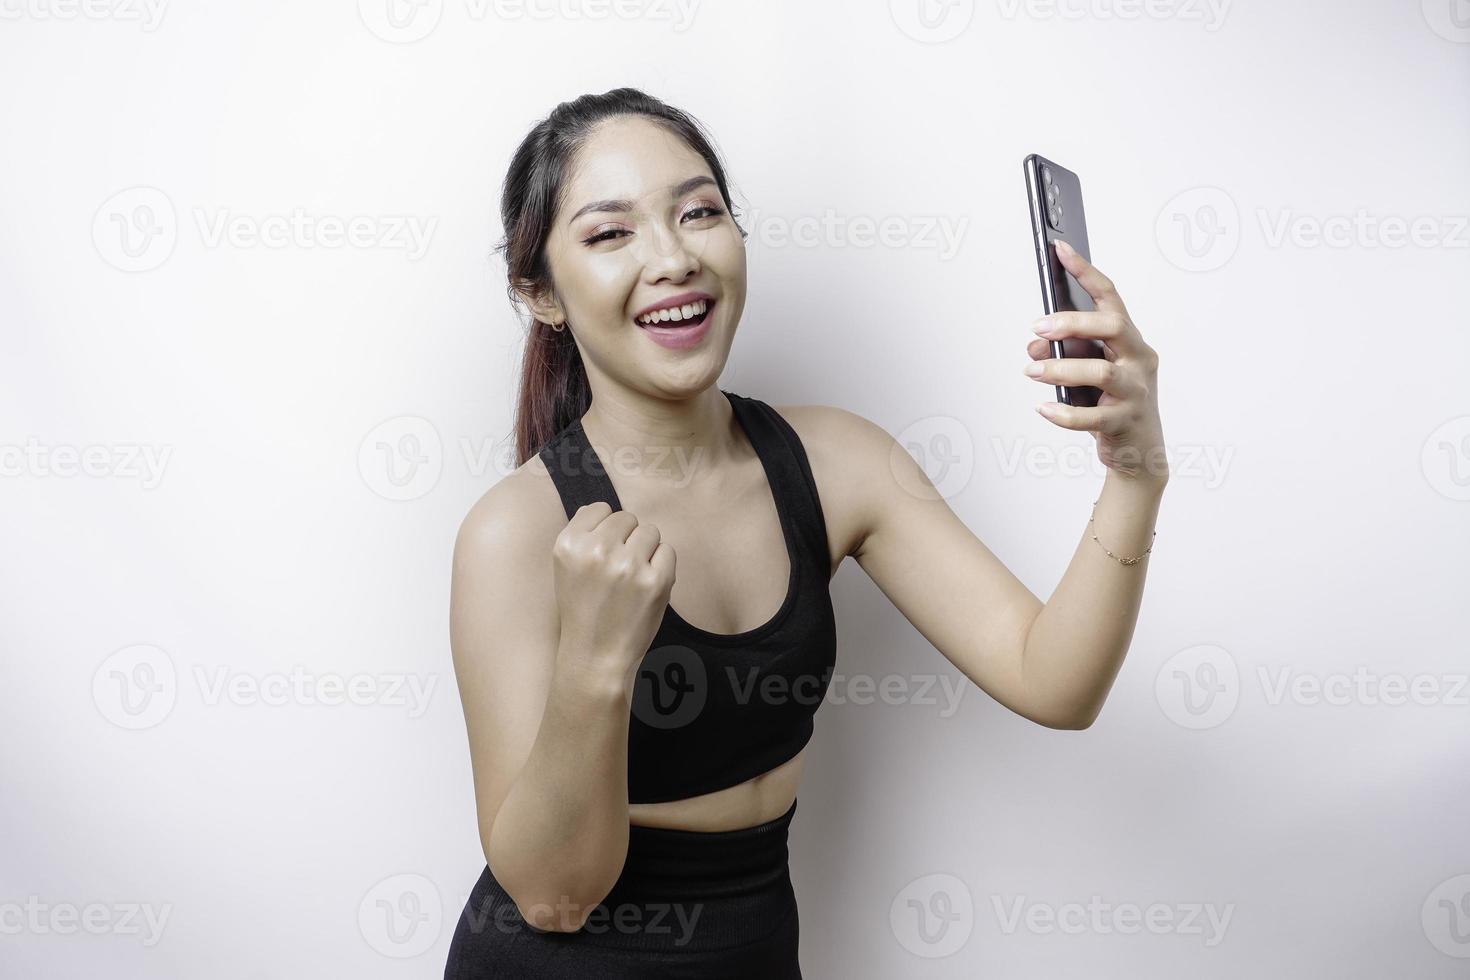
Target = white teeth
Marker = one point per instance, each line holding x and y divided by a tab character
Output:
676	313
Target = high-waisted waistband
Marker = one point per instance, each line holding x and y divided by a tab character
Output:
679	890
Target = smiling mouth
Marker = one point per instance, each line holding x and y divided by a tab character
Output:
687	322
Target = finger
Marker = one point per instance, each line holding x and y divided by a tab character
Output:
1098	286
1077	371
1104	419
1039	350
1115	329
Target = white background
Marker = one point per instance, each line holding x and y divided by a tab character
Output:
1313	395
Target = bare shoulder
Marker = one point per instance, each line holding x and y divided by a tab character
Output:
502	557
522	509
846	452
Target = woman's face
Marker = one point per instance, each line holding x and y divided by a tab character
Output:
642	224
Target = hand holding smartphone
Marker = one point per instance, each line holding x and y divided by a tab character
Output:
1055	196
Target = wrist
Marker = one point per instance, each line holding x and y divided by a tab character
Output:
594	679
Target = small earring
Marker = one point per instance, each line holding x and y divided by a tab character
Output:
559	327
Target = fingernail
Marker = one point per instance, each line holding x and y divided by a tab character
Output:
1047	408
1035	369
1042	326
1062	246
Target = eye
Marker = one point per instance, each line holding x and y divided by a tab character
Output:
703	211
603	236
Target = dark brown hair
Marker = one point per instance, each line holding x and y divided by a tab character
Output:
553	388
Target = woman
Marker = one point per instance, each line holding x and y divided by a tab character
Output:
636	737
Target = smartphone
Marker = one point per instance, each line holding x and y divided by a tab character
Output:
1056	213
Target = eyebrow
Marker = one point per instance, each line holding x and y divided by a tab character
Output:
679	190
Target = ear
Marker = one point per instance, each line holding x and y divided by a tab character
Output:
542	304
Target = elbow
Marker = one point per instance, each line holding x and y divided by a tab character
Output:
1077	723
547	902
1069	719
545	907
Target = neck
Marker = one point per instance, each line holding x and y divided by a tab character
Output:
666	441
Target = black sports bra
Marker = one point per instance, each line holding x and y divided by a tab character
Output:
711	710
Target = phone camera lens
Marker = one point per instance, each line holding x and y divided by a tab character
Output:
1051	194
1055	215
1046	176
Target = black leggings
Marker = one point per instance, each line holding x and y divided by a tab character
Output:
696	904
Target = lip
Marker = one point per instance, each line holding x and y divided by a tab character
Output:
679	299
678	338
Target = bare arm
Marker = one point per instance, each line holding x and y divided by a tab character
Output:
1051	662
548	733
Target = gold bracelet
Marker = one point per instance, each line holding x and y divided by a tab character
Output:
1123	561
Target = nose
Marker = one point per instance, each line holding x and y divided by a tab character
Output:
668	255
